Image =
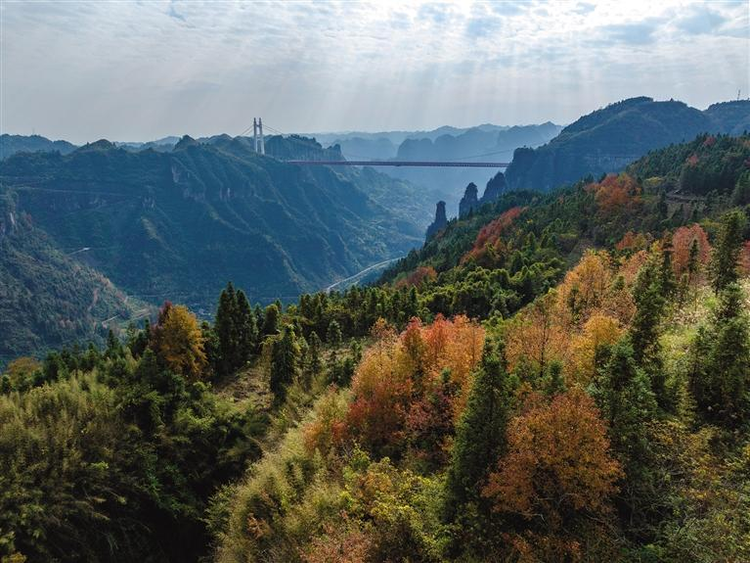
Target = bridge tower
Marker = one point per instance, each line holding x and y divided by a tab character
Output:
255	133
262	142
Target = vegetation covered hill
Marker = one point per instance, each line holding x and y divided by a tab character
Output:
47	298
556	377
610	138
11	144
180	224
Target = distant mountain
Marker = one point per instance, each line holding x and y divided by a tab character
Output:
163	144
475	144
11	144
610	138
180	224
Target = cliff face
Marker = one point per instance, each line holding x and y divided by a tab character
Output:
495	187
469	202
440	222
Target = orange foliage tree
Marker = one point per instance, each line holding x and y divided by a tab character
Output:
682	242
599	330
584	288
558	467
488	240
178	341
616	194
417	277
398	372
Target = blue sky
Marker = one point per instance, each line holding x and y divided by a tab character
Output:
130	70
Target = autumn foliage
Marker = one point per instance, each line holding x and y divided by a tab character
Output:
682	242
558	462
616	194
489	237
418	276
400	382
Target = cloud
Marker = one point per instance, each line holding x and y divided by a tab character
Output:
639	33
701	20
127	70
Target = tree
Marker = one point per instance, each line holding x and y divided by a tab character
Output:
226	330
284	361
333	334
623	393
558	469
313	363
720	374
480	433
725	258
271	320
247	329
646	325
178	341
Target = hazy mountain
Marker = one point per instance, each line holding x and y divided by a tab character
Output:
475	144
11	144
179	225
610	138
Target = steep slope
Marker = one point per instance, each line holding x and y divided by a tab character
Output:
11	144
178	225
610	138
47	298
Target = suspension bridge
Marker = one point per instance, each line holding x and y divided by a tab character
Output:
318	156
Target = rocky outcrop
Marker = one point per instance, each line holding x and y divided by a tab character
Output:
494	189
440	221
469	202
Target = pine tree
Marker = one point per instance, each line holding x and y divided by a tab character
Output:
720	374
724	260
645	328
480	433
313	363
333	334
271	320
247	329
226	331
666	272
627	403
285	356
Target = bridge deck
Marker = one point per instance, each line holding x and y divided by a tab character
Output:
398	163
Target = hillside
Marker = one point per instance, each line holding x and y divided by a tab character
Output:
180	224
47	298
610	138
556	377
11	144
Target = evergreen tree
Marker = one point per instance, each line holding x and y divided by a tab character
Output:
271	320
666	272
724	260
720	374
285	356
247	329
645	328
480	433
226	331
624	396
661	207
313	362
333	334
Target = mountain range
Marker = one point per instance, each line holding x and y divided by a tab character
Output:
180	224
610	138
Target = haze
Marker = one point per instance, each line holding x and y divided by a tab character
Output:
142	70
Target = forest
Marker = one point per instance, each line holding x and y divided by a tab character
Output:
558	376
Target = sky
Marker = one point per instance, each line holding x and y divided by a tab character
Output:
138	70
